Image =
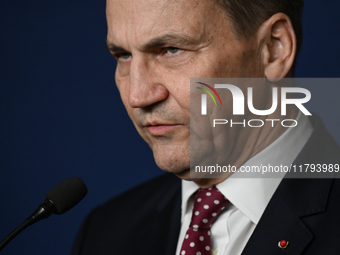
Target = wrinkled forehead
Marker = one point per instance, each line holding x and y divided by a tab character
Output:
132	21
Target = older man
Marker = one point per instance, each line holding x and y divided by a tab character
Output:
159	45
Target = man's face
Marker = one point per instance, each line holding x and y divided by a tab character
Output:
159	46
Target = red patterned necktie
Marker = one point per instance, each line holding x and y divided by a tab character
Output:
209	203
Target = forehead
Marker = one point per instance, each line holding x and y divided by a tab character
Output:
134	20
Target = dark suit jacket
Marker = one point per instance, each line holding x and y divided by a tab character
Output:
146	219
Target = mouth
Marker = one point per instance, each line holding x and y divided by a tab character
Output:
160	129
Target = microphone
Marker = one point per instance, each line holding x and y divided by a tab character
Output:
58	200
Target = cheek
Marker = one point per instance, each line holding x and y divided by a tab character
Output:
123	88
122	84
182	97
208	65
178	86
123	69
233	60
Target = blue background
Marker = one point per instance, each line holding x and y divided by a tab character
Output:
61	114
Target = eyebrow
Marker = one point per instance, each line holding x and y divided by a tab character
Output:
161	41
170	40
114	48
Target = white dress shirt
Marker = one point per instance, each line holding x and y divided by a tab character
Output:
248	196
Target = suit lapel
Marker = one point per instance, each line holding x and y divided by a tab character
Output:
295	199
279	222
169	216
162	224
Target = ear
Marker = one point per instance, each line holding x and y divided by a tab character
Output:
278	44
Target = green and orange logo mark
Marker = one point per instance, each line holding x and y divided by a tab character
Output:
209	93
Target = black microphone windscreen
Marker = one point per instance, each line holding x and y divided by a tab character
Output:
67	194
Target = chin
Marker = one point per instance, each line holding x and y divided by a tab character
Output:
173	159
176	166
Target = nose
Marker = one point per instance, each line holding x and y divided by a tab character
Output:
146	84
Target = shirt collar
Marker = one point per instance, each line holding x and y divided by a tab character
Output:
252	195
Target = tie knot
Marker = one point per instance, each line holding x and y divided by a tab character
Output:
209	203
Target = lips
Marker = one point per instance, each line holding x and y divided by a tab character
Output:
160	129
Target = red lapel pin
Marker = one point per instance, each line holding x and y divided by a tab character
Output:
283	244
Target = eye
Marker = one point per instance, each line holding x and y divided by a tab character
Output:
125	55
122	56
173	50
